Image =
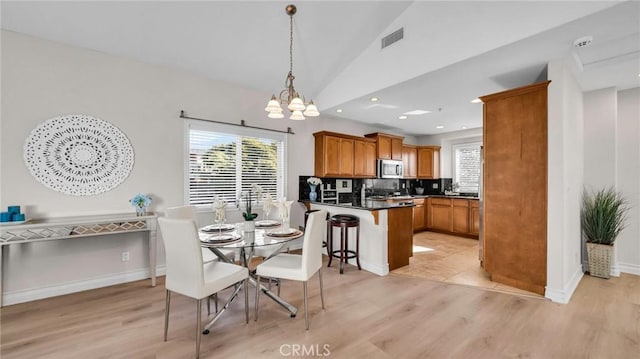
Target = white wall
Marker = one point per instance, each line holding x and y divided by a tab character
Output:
43	79
600	109
565	181
627	248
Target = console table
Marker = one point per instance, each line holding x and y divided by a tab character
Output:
47	229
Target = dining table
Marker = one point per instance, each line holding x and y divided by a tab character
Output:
268	234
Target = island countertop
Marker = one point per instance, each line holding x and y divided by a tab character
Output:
369	205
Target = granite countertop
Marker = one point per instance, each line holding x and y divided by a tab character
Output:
369	205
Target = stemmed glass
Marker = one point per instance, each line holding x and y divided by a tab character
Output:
285	209
266	205
220	214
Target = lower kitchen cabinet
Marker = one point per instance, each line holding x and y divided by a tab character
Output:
458	216
419	215
439	214
474	217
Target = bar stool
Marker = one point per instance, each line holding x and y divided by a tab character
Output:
344	221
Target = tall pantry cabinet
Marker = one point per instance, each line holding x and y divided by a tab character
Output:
514	232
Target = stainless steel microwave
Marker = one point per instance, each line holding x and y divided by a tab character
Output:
390	169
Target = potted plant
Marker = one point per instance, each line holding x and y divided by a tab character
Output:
247	213
602	217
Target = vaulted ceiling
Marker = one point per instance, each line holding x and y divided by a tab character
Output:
451	52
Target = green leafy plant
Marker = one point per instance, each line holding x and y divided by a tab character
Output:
247	198
603	215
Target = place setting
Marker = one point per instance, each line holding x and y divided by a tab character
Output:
267	204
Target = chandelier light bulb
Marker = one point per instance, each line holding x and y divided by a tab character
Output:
297	115
296	105
312	110
275	115
273	105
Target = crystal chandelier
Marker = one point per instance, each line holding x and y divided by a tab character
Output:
289	95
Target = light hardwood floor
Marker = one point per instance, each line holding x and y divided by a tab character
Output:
366	316
451	259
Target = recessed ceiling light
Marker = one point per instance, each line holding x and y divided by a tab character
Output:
417	112
403	117
464	127
476	100
374	99
339	110
439	126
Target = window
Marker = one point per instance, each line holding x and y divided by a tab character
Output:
466	167
226	160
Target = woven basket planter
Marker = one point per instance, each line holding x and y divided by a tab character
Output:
599	259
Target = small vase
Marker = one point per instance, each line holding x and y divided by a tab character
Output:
249	226
141	211
312	194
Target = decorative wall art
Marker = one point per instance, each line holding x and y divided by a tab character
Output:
78	155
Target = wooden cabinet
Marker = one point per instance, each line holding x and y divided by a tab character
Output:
474	217
389	147
334	155
439	214
399	238
419	215
340	155
365	158
410	161
460	216
515	187
428	159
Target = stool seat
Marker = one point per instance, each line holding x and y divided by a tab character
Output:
344	221
345	218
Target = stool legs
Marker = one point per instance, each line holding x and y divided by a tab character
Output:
344	246
358	247
330	244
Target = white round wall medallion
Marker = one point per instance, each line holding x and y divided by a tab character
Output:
78	155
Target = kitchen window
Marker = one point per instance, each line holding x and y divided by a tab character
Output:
466	167
227	160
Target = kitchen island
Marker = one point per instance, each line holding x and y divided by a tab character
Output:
386	233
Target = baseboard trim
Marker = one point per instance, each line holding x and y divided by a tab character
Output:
28	295
564	295
629	268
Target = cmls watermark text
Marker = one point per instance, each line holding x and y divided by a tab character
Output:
305	350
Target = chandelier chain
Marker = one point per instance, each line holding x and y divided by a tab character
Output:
291	44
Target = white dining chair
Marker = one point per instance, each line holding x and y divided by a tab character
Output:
191	212
298	267
186	274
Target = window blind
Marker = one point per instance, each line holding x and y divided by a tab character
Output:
226	164
467	167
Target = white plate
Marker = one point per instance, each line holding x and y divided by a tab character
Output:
14	223
286	233
224	238
218	228
267	223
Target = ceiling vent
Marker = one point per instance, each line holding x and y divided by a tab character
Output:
393	37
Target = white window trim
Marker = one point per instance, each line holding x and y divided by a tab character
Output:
232	129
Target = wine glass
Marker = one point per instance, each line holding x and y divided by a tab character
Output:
266	206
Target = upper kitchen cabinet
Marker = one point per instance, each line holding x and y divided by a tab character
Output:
334	155
514	225
428	162
365	158
389	146
410	161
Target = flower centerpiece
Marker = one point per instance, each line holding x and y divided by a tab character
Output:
313	182
140	202
247	199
